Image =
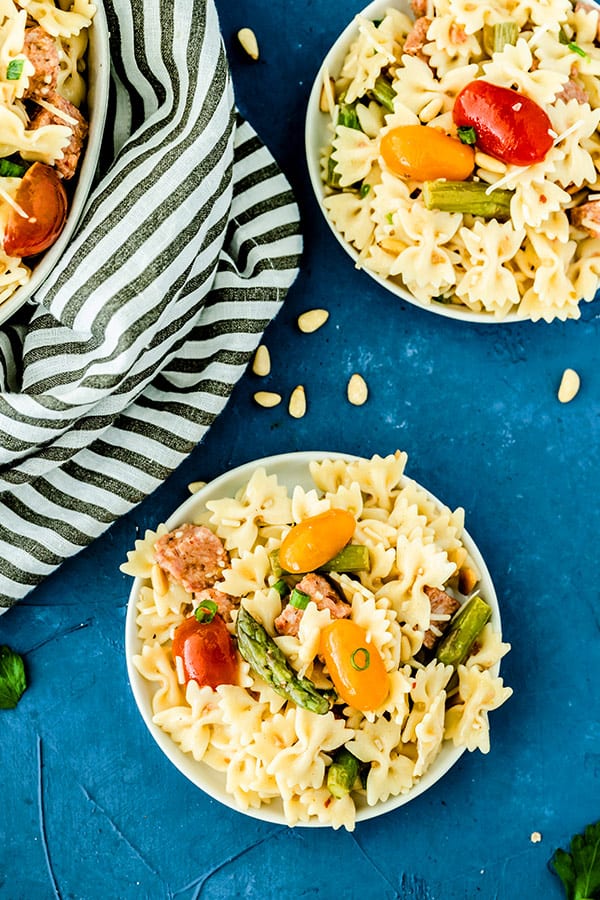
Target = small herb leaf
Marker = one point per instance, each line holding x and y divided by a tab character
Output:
12	678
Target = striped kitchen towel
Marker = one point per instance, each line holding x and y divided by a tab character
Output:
184	254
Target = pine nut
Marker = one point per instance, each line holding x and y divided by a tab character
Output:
312	319
267	398
194	486
262	361
297	406
392	245
160	582
325	95
489	163
248	41
569	385
358	391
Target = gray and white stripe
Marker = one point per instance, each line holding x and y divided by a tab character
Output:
129	356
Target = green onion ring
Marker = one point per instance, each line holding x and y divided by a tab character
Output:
366	659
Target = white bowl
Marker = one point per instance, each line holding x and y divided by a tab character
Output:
291	469
317	137
98	80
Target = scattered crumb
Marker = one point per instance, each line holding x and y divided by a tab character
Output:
535	837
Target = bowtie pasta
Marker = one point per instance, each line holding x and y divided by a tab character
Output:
535	255
269	747
42	131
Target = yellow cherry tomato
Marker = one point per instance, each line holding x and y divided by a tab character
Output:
354	664
316	540
424	154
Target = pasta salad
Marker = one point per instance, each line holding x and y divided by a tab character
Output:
464	154
42	128
318	648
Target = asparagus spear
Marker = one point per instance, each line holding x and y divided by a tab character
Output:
495	37
467	197
342	773
456	644
384	93
267	660
352	558
347	117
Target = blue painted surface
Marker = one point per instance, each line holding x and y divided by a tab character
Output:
476	410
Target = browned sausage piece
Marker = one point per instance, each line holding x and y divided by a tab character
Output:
587	216
67	166
40	49
442	604
416	39
192	555
324	596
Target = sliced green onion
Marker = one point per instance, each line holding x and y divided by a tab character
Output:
206	611
364	189
299	599
577	49
10	169
14	70
363	662
281	587
390	218
467	134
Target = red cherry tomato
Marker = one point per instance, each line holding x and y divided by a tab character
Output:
206	650
316	540
508	125
42	196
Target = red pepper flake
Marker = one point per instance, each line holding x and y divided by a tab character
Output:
543	198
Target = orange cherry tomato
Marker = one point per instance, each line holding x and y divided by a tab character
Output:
206	650
425	154
316	540
354	664
42	196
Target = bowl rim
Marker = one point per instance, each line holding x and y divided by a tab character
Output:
142	690
98	74
314	140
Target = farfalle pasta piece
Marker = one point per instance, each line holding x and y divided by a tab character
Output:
514	65
489	246
190	726
450	47
351	215
155	663
375	47
262	502
141	559
391	771
248	573
428	683
430	734
489	649
302	764
71	83
60	22
354	154
467	722
155	625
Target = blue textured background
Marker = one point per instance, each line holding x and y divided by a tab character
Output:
475	408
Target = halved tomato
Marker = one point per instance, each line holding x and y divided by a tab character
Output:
42	197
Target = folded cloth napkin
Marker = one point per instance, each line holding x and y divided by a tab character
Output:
184	254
